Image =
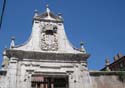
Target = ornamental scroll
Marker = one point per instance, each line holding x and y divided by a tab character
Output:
48	38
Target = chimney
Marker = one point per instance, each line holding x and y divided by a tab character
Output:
116	58
119	55
107	61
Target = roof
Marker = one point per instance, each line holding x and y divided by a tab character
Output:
115	62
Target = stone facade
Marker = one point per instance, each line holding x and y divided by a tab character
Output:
47	59
105	79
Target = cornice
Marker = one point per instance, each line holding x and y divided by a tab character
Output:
47	56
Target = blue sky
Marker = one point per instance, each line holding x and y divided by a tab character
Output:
99	23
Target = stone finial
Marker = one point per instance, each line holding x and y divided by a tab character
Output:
119	55
115	58
13	38
60	15
81	43
82	49
47	6
5	59
12	42
5	47
107	61
35	13
47	9
4	53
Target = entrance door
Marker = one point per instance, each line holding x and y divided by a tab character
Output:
49	82
60	83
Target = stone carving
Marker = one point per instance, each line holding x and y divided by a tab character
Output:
49	41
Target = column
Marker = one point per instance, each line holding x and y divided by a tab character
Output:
36	85
52	84
41	85
46	83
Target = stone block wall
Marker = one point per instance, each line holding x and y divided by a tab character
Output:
107	79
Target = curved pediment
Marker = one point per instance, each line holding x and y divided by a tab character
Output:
48	35
45	16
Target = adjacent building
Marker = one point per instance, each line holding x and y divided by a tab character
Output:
117	65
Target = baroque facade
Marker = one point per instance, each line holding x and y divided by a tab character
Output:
46	60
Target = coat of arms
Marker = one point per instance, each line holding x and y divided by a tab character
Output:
49	41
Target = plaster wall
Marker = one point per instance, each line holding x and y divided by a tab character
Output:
107	81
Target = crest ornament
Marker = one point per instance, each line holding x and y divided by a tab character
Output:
48	38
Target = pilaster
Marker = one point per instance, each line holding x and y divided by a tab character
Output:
13	72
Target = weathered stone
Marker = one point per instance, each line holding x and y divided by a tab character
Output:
47	59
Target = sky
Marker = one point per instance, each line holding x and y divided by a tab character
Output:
100	24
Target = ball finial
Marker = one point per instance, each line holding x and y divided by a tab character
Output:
81	43
35	11
13	38
47	6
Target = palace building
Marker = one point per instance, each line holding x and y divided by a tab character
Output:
47	59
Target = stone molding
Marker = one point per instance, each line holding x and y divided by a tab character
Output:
47	56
